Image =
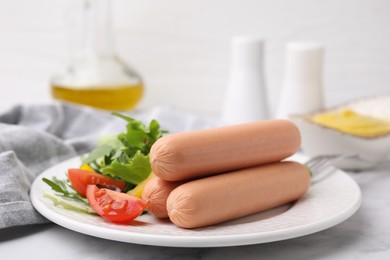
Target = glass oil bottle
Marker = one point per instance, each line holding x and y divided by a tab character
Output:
95	75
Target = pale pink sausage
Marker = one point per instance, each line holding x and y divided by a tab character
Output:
156	192
194	154
236	194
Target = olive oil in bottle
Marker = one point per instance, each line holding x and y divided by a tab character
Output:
121	97
95	75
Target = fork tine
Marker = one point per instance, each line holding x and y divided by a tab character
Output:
319	175
319	164
318	158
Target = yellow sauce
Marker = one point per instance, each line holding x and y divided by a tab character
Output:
350	122
121	97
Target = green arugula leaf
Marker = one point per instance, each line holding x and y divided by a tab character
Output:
126	118
63	187
69	204
54	186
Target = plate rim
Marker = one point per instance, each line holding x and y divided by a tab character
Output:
187	240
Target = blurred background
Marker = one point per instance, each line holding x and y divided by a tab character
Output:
182	47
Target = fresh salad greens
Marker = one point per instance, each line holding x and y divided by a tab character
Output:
127	156
123	157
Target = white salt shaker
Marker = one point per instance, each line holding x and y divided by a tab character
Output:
302	87
245	99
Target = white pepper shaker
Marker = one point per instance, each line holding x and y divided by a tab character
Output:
245	99
302	87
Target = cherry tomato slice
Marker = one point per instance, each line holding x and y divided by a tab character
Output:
115	206
80	179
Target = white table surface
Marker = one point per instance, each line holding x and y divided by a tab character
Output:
365	235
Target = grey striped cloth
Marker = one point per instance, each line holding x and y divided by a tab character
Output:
35	137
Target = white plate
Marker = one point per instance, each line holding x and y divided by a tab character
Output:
327	203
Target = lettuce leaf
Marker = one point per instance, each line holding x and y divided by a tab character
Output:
133	170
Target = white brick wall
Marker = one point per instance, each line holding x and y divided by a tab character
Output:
181	47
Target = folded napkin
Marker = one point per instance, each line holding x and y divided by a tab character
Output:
35	137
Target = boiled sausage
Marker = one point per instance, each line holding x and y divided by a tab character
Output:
156	192
194	154
228	196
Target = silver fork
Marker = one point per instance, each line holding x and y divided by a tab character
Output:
320	165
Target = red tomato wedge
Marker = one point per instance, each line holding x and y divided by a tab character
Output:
115	206
80	179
